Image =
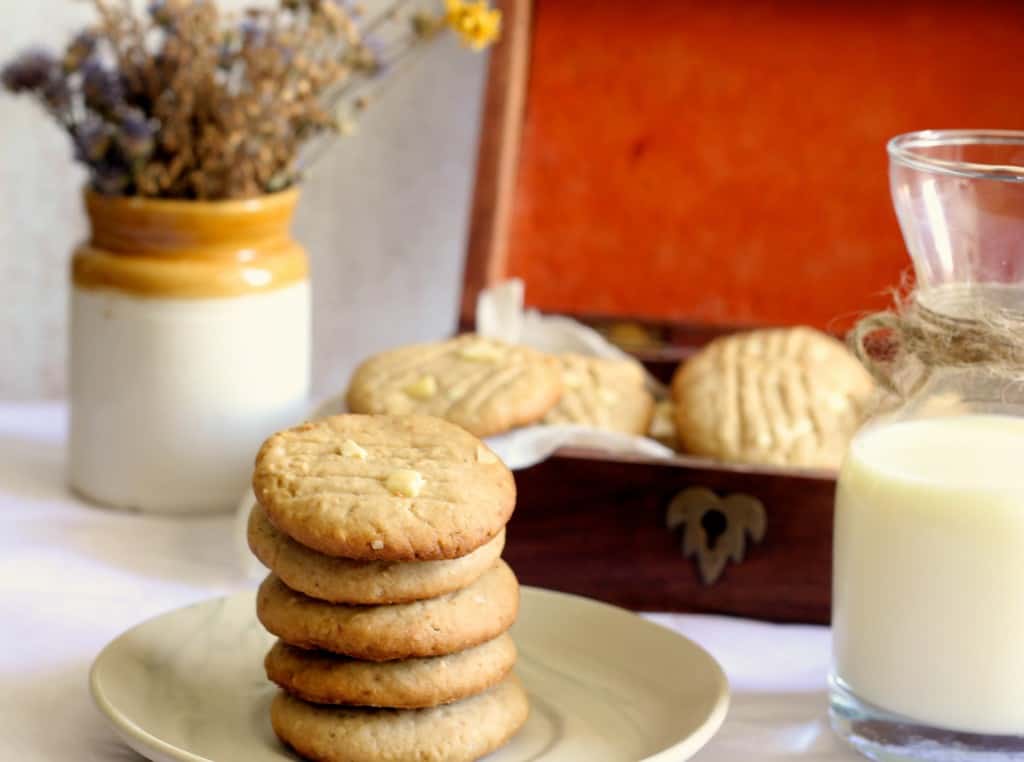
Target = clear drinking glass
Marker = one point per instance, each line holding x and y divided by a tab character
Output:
928	569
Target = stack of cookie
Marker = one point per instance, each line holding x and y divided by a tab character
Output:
384	535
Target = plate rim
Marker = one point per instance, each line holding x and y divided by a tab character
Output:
128	730
124	727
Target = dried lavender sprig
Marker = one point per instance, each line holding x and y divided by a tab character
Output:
356	103
92	140
388	59
102	89
79	50
135	135
28	72
382	60
38	72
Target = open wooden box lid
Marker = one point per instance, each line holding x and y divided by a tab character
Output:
695	166
719	163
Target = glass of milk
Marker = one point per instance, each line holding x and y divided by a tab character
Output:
928	570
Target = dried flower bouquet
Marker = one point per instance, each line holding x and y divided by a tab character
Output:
186	101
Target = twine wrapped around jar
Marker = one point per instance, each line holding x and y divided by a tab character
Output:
957	330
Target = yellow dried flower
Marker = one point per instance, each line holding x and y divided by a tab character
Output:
476	23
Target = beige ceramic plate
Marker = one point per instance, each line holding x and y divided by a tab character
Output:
604	684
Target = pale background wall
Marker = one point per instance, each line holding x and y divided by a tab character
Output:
384	216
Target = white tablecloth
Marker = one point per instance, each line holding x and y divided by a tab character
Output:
72	577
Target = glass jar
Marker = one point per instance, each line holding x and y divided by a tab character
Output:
190	343
928	565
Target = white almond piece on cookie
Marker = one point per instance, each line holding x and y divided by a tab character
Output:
405	482
423	388
352	450
480	351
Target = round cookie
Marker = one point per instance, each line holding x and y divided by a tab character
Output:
784	396
340	580
604	393
485	386
459	732
434	627
384	488
325	678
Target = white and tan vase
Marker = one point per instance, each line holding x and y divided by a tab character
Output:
190	343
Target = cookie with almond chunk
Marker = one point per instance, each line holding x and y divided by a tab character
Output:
786	396
434	627
342	580
384	488
326	678
485	386
603	392
459	732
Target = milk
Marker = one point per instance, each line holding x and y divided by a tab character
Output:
928	593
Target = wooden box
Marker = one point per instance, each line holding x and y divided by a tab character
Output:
684	168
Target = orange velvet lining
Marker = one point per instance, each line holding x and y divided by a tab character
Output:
724	161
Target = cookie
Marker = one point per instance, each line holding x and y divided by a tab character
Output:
485	386
384	488
459	732
326	678
340	580
785	396
434	627
604	393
